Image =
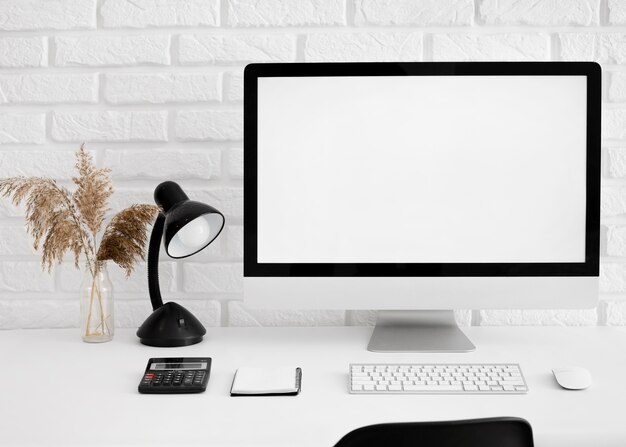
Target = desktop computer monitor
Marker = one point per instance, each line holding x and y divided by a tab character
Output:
416	188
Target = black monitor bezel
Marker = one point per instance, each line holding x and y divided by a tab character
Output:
591	266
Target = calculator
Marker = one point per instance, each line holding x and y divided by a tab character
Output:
175	375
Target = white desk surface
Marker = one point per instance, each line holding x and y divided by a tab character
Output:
57	390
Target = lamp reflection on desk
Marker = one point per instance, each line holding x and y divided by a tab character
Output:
189	227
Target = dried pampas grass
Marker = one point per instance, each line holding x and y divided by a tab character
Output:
124	239
60	221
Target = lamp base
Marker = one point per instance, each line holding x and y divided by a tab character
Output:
171	325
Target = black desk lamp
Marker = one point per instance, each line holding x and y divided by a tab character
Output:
188	227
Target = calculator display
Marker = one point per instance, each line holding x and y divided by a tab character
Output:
178	366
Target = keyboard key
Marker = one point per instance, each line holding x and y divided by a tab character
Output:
432	388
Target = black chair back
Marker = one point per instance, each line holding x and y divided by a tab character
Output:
491	432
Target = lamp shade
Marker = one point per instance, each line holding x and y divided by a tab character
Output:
189	226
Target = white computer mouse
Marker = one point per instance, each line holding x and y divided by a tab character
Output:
572	377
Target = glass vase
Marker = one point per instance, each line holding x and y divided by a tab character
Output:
96	304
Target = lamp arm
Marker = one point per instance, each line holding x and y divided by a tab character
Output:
153	262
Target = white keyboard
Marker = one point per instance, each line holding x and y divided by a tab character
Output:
434	378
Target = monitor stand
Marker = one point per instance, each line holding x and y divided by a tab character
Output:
418	331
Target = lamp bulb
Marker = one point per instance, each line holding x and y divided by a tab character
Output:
195	234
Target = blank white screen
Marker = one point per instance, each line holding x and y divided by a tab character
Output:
421	169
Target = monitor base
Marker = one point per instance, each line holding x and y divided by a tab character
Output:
418	331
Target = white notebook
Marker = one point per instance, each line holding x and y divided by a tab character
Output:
277	381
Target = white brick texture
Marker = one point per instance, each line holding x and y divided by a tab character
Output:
239	315
286	13
212	278
15	241
234	242
617	87
614	124
47	14
48	88
155	13
613	201
606	48
33	314
235	163
105	50
490	47
162	88
577	317
612	278
616	241
540	12
209	125
234	86
23	51
24	277
375	46
617	12
617	161
616	313
212	49
56	164
22	128
109	126
414	12
155	90
159	164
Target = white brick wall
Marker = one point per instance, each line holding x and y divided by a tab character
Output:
155	89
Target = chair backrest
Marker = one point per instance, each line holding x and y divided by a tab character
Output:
491	432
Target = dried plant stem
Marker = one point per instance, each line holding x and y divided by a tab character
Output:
101	311
93	285
85	243
103	323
